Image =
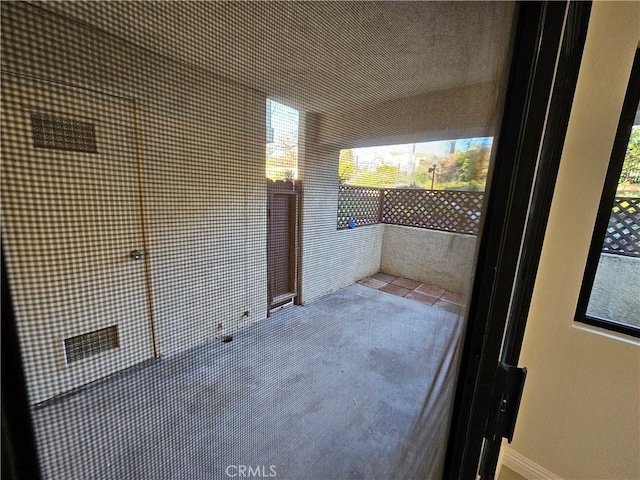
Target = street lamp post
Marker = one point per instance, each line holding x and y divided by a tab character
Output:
432	171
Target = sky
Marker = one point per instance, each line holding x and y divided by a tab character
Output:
284	123
369	157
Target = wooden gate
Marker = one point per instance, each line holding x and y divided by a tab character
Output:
283	201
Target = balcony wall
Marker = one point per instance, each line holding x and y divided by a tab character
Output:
443	259
614	294
334	258
331	258
200	150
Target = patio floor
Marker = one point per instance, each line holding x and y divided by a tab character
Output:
420	292
357	385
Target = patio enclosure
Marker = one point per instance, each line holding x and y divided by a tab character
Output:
135	223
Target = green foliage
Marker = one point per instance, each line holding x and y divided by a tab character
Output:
448	169
422	175
386	174
420	178
473	164
280	174
457	170
631	167
471	186
466	170
383	176
346	166
282	163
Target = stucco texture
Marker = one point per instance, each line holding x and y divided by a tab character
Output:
616	289
331	258
443	259
200	151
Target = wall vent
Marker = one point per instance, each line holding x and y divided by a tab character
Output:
89	344
60	133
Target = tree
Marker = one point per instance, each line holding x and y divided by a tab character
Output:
386	175
461	170
282	159
422	175
631	166
473	164
346	166
383	176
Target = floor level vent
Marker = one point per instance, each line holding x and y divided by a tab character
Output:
89	344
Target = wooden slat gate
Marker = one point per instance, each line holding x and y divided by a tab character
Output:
283	201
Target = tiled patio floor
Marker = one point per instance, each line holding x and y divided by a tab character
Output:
414	290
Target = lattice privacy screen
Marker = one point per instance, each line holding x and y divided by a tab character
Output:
623	231
362	205
140	238
448	211
440	210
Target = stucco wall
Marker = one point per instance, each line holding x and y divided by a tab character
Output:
201	150
442	259
615	293
580	414
455	113
331	258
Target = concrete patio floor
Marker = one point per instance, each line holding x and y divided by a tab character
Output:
357	385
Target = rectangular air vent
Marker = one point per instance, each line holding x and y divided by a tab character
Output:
59	133
89	344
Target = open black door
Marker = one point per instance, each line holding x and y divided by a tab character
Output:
546	60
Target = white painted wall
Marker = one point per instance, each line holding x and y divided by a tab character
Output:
437	258
331	258
463	112
580	414
201	150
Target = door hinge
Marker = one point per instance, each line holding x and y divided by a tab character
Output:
505	401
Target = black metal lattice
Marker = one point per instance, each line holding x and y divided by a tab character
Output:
623	231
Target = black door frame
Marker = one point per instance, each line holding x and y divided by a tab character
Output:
546	58
19	453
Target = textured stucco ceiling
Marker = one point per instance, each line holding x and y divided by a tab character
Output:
320	55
